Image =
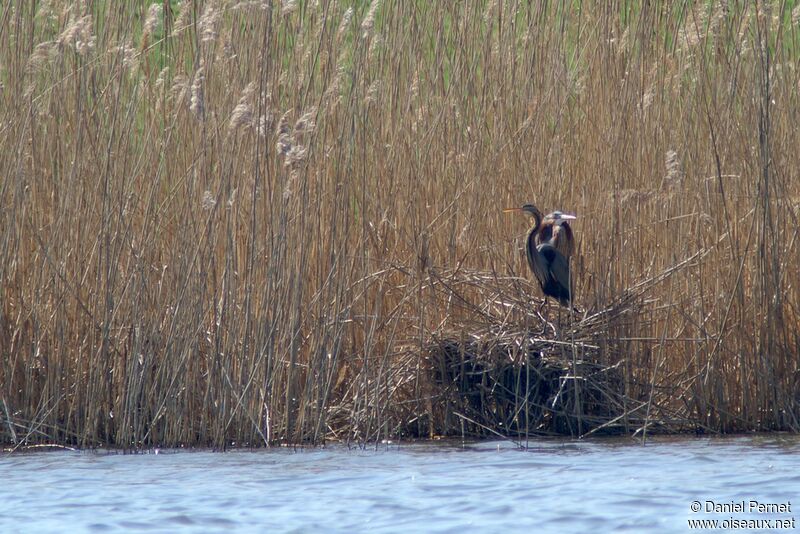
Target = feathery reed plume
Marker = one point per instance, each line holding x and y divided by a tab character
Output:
331	95
374	48
247	4
633	198
695	27
208	201
45	10
150	23
647	99
413	89
159	85
369	20
228	49
488	14
288	188
264	127
284	143
184	12
197	103
288	7
179	90
207	24
623	42
39	57
674	175
128	55
78	35
243	113
344	24
161	78
266	120
306	124
295	156
372	92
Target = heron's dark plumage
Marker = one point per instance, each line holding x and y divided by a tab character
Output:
548	254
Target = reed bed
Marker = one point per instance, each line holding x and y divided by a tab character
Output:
245	223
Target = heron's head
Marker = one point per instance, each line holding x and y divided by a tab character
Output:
559	217
527	209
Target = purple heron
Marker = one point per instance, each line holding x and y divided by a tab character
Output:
549	245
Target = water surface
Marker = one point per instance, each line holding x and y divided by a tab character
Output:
557	486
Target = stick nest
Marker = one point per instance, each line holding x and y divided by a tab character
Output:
506	363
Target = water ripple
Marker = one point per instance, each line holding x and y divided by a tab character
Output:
484	487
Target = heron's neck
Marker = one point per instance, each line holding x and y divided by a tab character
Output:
537	224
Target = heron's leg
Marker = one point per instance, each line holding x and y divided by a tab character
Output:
558	319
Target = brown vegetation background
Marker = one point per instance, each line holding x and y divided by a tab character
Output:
235	222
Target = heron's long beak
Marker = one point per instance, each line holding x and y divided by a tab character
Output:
510	210
568	216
